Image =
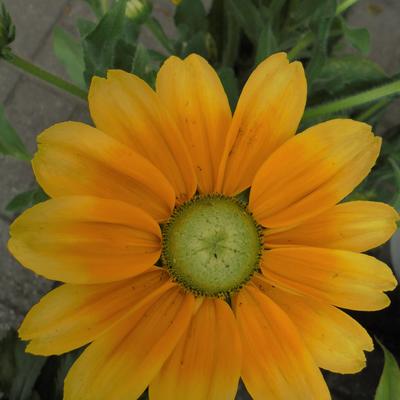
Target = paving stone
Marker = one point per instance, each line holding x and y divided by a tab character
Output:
81	114
15	177
34	107
33	20
8	78
382	20
72	12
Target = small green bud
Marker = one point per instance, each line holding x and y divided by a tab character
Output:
7	28
138	10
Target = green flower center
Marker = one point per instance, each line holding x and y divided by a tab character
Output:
212	245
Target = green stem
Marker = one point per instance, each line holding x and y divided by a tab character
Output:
42	74
156	29
302	44
371	111
344	5
359	99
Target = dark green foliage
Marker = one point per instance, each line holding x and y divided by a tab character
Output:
19	370
101	44
231	85
24	200
383	183
10	143
389	383
70	53
7	28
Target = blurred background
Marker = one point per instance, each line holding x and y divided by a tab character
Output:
32	106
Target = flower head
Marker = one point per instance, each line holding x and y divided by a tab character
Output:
176	283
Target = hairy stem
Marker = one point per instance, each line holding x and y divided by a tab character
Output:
44	75
355	100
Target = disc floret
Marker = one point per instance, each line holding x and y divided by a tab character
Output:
212	245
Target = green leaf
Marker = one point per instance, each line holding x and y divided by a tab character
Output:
64	363
10	143
196	44
27	199
303	10
321	26
359	38
100	45
141	62
348	74
389	383
7	28
27	371
231	85
69	52
85	27
267	44
396	172
191	14
248	17
124	54
7	361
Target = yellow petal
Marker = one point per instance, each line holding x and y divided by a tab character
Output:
357	226
276	363
73	315
206	363
312	172
195	97
122	362
76	159
268	113
125	107
342	278
81	239
335	340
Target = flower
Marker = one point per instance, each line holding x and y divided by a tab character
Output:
176	283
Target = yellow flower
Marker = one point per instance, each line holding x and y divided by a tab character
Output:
239	290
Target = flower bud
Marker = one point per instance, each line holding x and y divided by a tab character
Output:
7	28
138	10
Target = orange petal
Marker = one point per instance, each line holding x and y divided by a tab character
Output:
357	226
195	97
122	362
125	107
206	363
312	172
268	113
76	159
276	363
335	340
73	315
342	278
81	239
